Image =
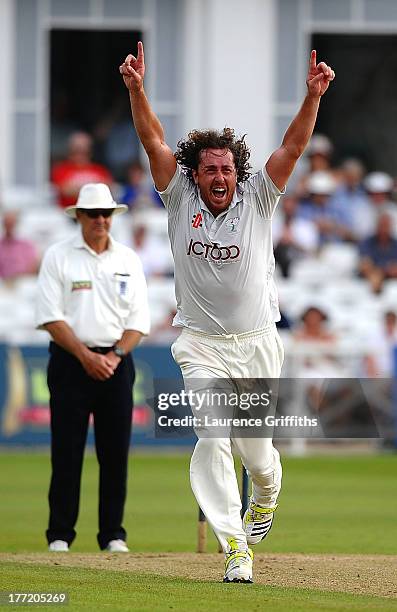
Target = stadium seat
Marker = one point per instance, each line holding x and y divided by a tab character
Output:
313	271
341	257
389	295
161	296
155	219
45	226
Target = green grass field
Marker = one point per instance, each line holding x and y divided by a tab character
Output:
93	590
329	504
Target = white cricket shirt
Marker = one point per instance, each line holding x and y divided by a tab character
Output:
223	266
98	295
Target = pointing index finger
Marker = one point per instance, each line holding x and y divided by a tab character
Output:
140	50
313	59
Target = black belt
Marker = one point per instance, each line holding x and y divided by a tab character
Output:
103	350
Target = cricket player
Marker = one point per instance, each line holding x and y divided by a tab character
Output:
220	233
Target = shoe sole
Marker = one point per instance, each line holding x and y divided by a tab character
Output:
238	580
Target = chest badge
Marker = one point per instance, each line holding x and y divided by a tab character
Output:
123	288
81	285
232	223
197	220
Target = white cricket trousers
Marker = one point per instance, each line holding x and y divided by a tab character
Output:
213	478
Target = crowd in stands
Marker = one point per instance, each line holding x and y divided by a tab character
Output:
70	174
334	233
339	205
18	256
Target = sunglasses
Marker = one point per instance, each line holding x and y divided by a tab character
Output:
94	213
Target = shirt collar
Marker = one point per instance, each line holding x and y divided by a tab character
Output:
80	243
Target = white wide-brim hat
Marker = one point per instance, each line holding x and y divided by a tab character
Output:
319	145
378	182
321	182
95	195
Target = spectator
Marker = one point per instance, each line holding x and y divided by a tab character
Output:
318	159
379	361
318	361
116	143
319	153
331	222
154	253
137	193
293	237
313	327
350	198
70	175
17	257
378	186
378	255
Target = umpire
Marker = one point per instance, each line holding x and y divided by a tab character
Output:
92	299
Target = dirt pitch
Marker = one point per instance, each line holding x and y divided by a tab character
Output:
359	574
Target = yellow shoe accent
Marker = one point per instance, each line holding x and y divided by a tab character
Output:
238	563
261	510
232	544
257	522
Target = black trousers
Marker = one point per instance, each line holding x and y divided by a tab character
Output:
73	397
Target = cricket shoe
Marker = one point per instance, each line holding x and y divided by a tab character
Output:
257	522
238	564
58	546
117	546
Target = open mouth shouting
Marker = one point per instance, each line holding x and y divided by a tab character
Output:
218	193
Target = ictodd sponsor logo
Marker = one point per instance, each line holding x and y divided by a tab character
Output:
213	252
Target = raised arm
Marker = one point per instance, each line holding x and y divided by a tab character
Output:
147	124
282	162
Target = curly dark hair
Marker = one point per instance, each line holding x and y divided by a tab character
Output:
188	151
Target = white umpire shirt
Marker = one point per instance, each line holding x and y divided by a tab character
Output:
223	266
98	295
